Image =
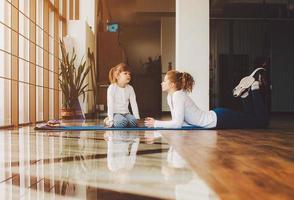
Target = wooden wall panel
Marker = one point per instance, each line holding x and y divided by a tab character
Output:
56	61
71	7
64	12
77	9
109	54
32	72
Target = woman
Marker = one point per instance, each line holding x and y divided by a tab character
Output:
185	112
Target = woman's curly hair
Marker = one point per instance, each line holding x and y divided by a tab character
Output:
184	81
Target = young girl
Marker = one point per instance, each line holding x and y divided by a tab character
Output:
119	95
185	112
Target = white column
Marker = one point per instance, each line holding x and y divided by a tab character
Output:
192	46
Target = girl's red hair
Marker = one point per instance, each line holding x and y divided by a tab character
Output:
184	81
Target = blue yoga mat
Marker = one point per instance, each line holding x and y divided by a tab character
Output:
99	127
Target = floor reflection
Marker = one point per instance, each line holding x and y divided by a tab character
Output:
188	184
122	150
94	165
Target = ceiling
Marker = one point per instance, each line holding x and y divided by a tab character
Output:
129	12
144	12
272	9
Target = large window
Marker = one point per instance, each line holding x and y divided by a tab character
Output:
23	62
51	63
39	59
29	59
5	63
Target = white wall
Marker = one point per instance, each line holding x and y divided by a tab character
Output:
168	50
77	30
83	38
90	43
192	46
87	12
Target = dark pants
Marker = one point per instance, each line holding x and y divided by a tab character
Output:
255	114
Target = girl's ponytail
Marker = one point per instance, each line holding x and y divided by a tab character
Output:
111	76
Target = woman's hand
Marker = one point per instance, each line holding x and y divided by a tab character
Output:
149	122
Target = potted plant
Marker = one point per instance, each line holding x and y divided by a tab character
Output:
72	84
94	78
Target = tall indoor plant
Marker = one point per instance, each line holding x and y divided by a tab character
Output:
72	83
94	77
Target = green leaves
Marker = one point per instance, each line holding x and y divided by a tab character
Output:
71	78
94	75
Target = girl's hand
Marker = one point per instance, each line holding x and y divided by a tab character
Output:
108	123
149	122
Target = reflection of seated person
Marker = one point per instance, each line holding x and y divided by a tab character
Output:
176	170
151	136
121	150
188	184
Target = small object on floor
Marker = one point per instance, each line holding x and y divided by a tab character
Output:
53	122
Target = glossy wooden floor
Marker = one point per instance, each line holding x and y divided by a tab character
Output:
200	164
241	164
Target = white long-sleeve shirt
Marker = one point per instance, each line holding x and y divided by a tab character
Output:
118	100
185	112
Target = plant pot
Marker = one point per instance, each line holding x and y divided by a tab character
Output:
72	113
